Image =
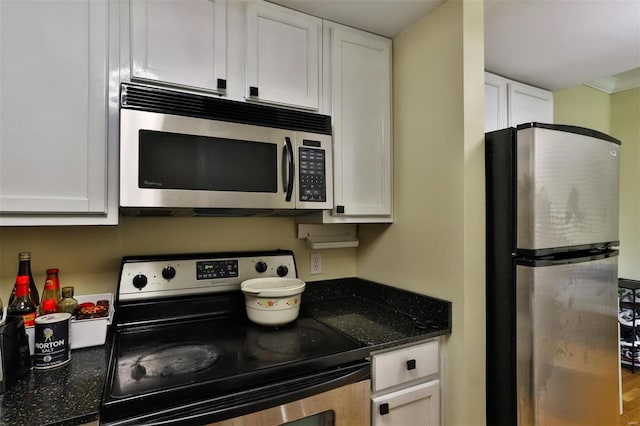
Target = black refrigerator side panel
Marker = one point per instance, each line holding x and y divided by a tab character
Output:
500	280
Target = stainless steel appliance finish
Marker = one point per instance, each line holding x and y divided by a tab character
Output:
184	152
552	223
566	342
184	352
197	274
567	189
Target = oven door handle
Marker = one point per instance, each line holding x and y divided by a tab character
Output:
288	168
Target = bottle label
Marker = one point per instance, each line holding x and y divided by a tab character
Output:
29	319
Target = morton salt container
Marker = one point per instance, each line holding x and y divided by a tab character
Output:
52	347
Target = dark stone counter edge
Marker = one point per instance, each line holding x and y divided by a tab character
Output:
395	343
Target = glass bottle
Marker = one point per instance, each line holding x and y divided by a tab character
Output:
68	304
22	304
24	269
51	293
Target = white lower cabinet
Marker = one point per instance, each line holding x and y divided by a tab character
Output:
406	386
415	405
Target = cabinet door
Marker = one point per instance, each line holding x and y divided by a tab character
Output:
528	104
283	55
361	107
53	107
419	404
495	102
180	42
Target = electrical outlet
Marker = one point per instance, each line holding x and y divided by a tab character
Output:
316	264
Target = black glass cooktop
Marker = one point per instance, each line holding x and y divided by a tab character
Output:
222	354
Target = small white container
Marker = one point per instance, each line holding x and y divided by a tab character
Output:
272	301
84	333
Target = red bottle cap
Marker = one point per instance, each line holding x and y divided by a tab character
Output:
52	271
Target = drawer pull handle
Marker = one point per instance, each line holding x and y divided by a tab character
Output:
384	409
411	364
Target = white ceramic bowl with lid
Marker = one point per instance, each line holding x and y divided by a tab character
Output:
272	301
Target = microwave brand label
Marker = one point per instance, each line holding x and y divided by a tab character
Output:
151	183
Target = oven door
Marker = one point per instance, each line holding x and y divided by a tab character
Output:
344	406
170	161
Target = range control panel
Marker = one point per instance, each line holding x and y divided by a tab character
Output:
160	276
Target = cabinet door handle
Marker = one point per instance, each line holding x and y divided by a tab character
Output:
222	84
384	409
339	209
411	364
253	91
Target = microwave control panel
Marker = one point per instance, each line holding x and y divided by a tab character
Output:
313	186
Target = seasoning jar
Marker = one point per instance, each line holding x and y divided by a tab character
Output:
68	304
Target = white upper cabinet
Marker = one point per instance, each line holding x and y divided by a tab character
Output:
358	79
54	152
495	102
508	103
179	42
528	104
283	56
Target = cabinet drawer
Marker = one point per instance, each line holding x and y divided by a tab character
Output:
404	365
419	404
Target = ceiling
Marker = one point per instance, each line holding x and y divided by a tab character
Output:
552	44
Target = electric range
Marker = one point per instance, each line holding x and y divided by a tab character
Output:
184	351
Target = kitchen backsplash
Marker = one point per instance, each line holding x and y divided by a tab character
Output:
89	256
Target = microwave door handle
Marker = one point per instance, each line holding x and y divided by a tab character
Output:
288	170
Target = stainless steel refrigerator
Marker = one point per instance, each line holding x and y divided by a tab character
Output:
551	287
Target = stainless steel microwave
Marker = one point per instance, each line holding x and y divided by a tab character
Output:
183	152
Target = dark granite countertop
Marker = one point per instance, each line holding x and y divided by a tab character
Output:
377	315
65	395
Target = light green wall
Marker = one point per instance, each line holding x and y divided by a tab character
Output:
625	125
583	106
89	256
436	244
619	116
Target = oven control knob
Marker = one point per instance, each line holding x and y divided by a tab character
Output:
261	266
139	281
168	272
282	270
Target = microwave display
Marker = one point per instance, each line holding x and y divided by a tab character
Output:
182	161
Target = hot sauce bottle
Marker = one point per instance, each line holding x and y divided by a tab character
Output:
22	304
51	293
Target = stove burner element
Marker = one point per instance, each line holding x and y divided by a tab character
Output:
174	360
